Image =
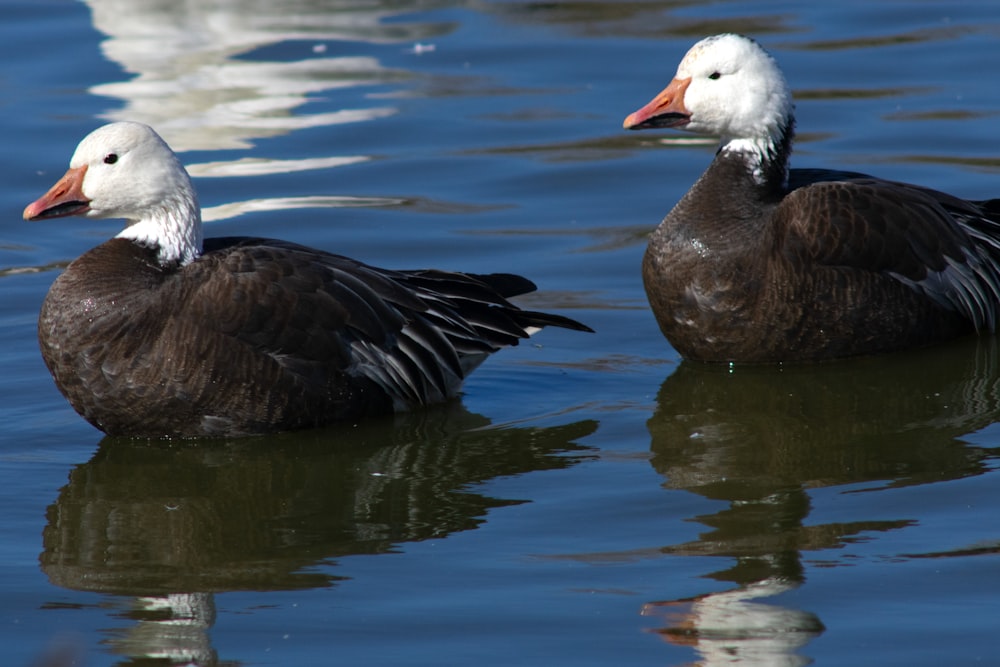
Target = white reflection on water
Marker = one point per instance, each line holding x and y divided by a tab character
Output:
172	627
262	166
234	209
740	627
192	87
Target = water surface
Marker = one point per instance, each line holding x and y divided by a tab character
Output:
591	500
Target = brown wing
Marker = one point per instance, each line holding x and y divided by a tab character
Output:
416	334
942	246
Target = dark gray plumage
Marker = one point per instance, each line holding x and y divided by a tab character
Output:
148	336
759	263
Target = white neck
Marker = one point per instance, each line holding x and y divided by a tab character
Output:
763	153
174	227
753	151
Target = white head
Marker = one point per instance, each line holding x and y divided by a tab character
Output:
125	170
726	86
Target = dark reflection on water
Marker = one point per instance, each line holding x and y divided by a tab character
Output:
173	523
760	438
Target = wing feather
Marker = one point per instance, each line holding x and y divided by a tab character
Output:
415	334
939	245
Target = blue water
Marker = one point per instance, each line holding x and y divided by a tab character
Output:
590	500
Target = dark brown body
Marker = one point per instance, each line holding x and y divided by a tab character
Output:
833	265
258	336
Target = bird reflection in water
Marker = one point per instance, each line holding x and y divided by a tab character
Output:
721	626
168	525
760	439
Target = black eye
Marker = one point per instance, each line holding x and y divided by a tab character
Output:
714	75
110	158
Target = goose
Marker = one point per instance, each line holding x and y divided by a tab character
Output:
759	263
159	332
